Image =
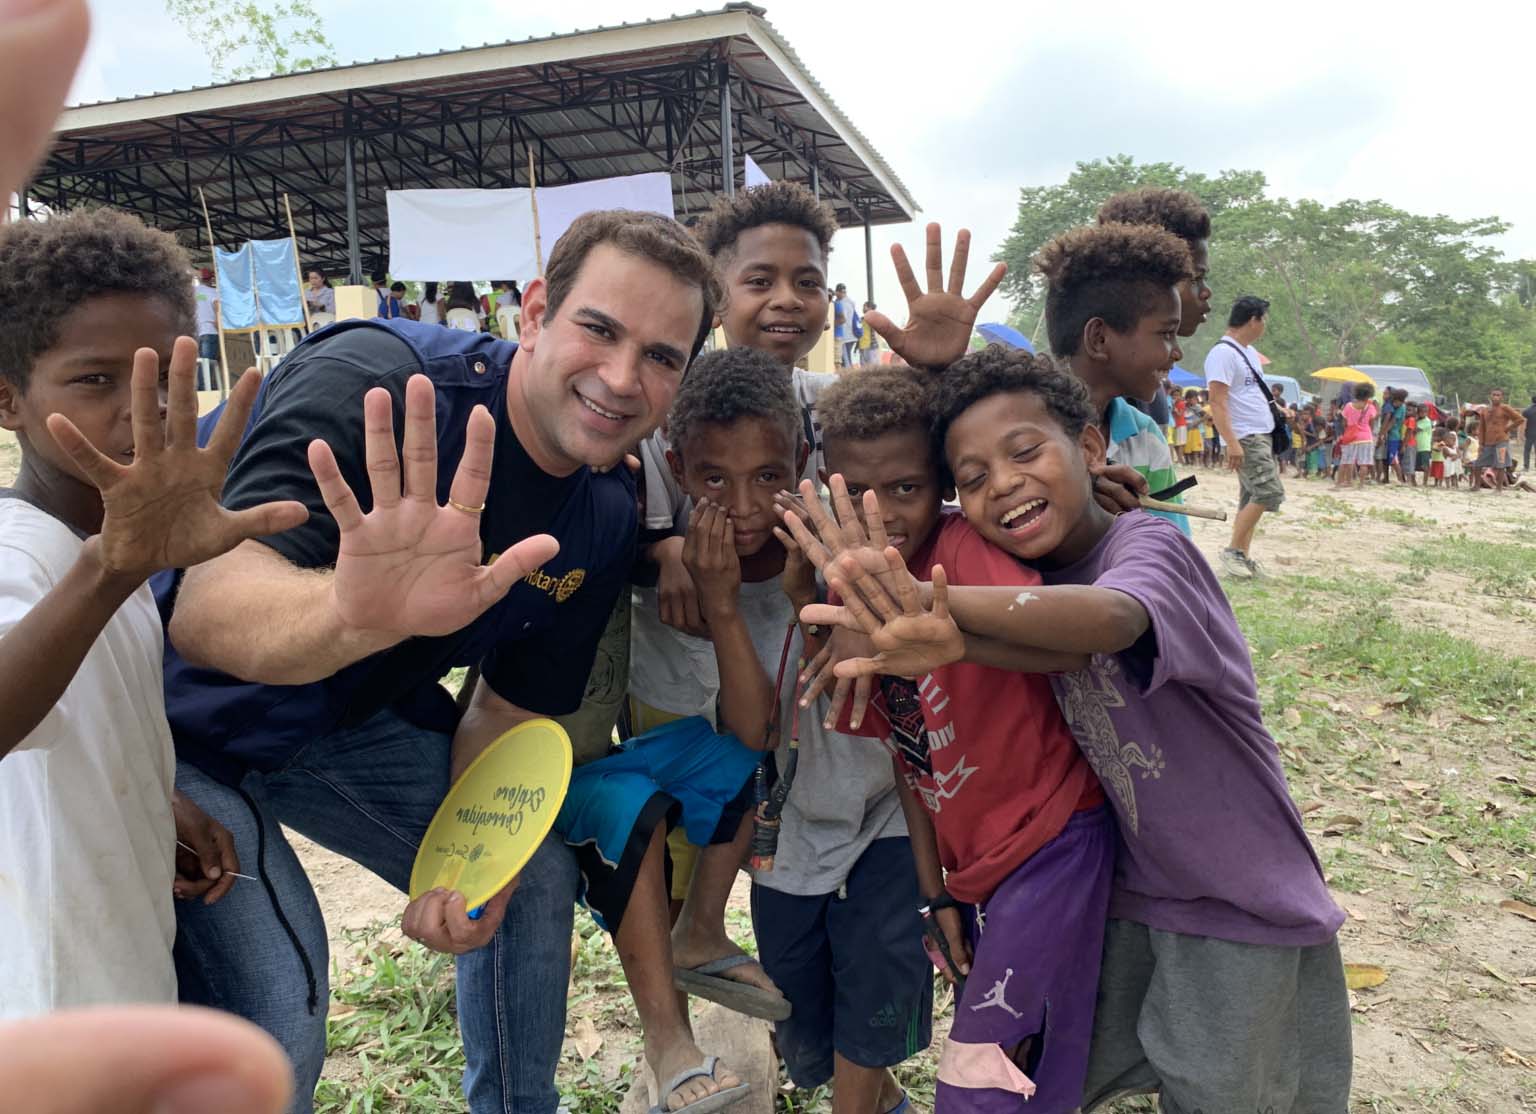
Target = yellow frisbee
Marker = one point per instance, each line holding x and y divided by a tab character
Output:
496	815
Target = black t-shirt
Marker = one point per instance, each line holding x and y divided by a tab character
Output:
535	647
1529	414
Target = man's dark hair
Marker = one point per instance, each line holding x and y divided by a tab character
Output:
48	268
776	203
729	384
397	288
1109	271
649	236
864	405
1176	211
1245	309
998	369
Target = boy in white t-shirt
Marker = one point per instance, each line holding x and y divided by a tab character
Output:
109	491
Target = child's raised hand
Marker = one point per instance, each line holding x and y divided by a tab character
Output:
799	579
909	639
709	554
940	321
820	675
162	508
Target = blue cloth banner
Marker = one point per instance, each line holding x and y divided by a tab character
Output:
259	285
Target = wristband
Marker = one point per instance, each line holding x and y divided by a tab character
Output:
943	901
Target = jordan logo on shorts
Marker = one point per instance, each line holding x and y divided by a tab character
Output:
995	997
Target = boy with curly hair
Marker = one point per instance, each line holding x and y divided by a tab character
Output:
112	488
1222	987
1181	213
1113	313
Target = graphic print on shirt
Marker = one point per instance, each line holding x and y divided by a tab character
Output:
904	712
927	776
1086	697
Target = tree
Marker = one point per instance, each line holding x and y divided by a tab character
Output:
254	38
1354	282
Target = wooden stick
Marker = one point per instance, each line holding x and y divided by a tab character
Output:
218	315
1211	513
297	266
533	199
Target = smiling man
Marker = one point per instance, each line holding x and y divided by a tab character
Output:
303	684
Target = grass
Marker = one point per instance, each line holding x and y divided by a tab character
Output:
1495	568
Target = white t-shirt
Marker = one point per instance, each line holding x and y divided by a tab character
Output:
432	312
205	297
87	842
1247	397
844	796
666	507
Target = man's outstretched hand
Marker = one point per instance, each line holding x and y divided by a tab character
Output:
411	566
940	320
161	507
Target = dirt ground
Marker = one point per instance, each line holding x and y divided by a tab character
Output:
1422	809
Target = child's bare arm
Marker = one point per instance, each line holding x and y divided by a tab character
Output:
930	873
908	618
746	693
159	511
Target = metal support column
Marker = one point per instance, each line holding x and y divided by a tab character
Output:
727	152
23	206
869	260
354	249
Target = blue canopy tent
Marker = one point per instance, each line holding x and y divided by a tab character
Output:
998	333
1181	378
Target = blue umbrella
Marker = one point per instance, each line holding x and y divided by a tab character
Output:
998	333
1181	378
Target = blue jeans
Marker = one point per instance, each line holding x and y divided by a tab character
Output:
368	793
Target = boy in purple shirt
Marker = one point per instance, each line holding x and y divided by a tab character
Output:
1222	987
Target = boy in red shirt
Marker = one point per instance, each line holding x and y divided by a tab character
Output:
1005	815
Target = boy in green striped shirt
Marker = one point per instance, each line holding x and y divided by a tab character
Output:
1113	312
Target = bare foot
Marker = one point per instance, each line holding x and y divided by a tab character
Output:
688	952
668	1061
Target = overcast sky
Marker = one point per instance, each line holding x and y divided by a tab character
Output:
969	100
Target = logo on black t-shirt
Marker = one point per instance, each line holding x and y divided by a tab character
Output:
561	587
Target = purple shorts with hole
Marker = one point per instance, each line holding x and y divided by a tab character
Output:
1037	944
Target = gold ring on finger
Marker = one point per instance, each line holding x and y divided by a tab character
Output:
466	509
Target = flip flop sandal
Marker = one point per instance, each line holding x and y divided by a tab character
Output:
706	981
717	1101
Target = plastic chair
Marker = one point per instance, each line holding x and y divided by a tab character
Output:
507	320
320	320
465	319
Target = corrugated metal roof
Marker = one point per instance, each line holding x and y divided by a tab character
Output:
246	142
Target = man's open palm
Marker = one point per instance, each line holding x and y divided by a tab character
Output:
411	566
162	510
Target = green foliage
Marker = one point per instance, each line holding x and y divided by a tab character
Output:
1355	282
256	38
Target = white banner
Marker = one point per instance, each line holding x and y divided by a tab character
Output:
450	235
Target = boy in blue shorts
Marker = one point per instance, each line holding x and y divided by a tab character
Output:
1222	987
736	442
1113	313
